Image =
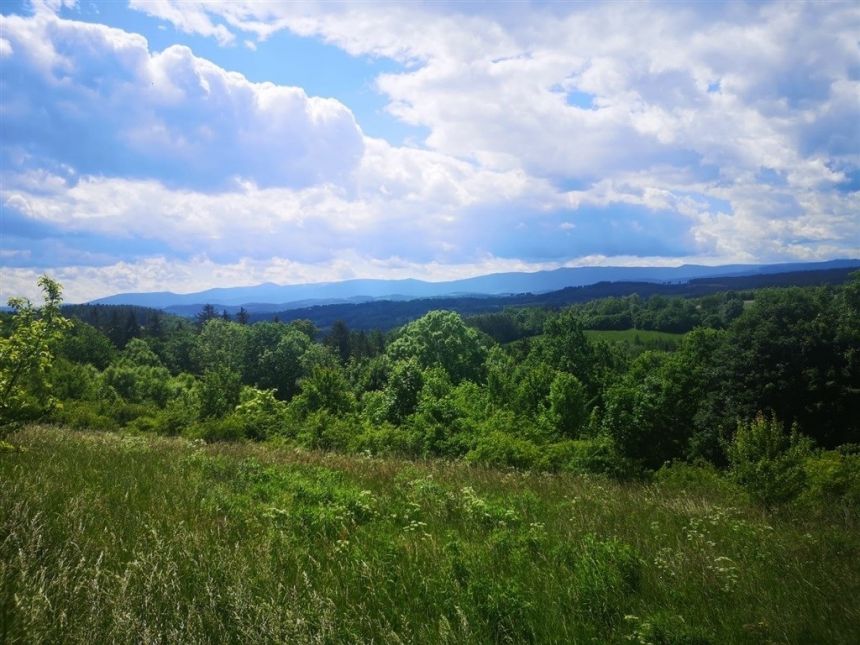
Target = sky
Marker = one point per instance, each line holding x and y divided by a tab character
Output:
181	145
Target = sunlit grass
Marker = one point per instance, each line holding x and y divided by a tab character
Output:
635	336
110	538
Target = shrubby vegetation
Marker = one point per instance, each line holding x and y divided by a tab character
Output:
555	398
757	407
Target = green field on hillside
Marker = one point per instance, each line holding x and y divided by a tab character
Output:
128	538
637	337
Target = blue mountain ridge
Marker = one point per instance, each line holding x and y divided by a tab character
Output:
274	296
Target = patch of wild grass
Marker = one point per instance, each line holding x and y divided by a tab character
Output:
112	538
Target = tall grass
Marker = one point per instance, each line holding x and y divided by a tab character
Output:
638	338
111	538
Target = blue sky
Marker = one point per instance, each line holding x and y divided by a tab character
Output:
159	144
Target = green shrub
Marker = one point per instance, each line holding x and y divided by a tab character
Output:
700	479
767	461
218	392
73	380
832	482
82	415
262	413
328	431
387	439
501	449
596	455
123	412
229	428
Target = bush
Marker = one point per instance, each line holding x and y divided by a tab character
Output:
229	428
832	482
701	479
327	431
596	455
263	415
83	415
501	449
387	439
218	392
767	461
139	383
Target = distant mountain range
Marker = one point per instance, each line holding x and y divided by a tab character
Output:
387	314
267	298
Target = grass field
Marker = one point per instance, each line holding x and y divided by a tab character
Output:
637	337
111	538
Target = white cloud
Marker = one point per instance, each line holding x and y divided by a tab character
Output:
169	114
188	17
738	119
491	82
398	200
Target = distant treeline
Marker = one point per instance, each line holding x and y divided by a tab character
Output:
387	314
675	308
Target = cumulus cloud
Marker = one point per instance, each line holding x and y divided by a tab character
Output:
698	102
556	134
97	99
399	201
735	85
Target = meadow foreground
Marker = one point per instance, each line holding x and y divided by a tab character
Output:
117	538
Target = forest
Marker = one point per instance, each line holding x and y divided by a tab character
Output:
706	418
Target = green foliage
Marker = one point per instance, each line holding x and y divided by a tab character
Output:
441	339
502	449
697	479
139	383
218	392
261	412
220	344
636	414
118	537
386	439
323	429
73	380
403	389
138	353
84	415
226	428
606	575
794	351
26	356
596	456
565	347
567	405
325	388
767	461
83	343
660	409
273	358
832	482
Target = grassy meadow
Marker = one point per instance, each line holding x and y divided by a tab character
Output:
644	338
125	538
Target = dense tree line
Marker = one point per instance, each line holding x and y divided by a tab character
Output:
779	361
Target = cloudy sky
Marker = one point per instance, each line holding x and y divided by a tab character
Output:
165	144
